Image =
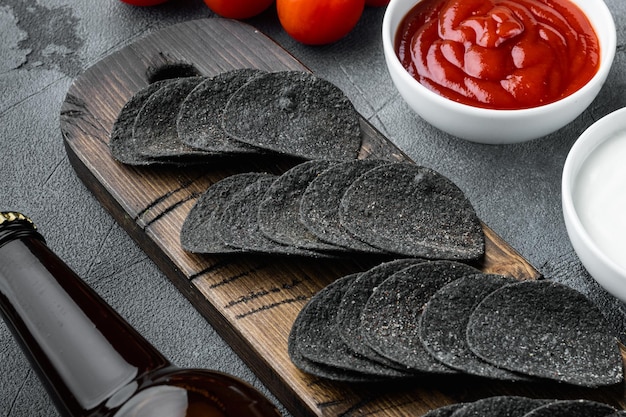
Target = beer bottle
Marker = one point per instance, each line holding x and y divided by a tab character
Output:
91	361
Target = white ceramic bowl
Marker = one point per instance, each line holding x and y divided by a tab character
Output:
594	201
497	126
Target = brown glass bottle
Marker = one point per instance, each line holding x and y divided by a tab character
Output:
91	361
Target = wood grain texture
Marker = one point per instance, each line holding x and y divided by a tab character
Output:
250	300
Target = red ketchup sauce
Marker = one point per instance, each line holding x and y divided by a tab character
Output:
499	54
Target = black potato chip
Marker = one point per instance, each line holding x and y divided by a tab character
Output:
412	211
154	131
199	121
348	319
548	330
317	338
198	233
389	320
278	215
238	223
443	324
121	143
509	406
572	408
324	371
319	208
294	113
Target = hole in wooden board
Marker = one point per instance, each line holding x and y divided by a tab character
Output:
171	70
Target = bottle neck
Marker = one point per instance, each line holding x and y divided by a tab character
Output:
83	350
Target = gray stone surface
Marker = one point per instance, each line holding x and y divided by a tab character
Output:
47	43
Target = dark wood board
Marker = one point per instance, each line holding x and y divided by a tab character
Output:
251	301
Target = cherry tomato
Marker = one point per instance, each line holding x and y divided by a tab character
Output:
144	2
376	3
319	22
238	9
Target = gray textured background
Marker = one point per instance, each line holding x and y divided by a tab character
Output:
45	44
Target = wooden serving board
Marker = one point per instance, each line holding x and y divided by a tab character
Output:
250	300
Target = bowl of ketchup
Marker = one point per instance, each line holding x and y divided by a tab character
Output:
594	201
498	71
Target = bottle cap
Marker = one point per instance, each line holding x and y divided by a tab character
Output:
13	216
14	225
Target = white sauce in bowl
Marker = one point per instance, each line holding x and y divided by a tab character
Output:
599	197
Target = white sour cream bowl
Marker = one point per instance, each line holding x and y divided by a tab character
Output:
594	201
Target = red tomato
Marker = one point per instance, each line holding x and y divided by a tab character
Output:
144	2
318	22
238	9
376	3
